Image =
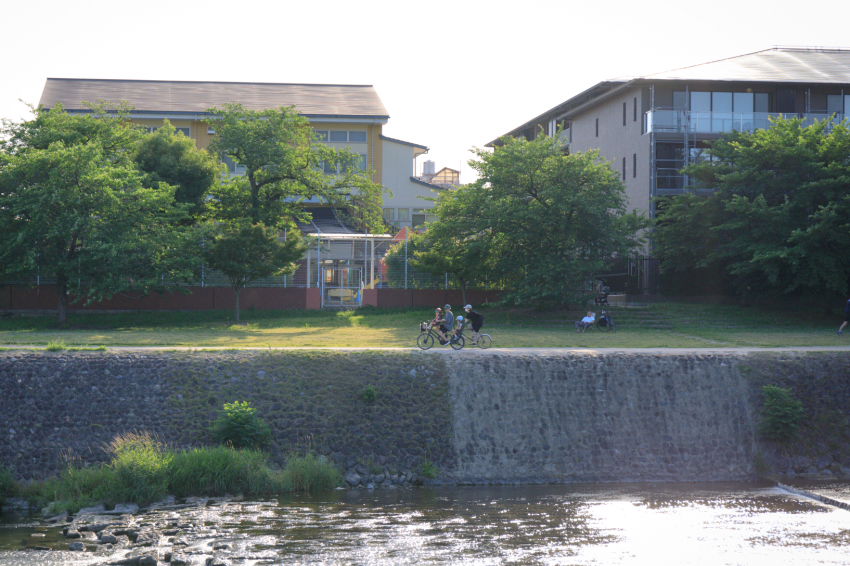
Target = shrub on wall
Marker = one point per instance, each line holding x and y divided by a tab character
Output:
239	426
780	414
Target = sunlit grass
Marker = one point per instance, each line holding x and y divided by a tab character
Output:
684	326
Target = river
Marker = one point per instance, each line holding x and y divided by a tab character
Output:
658	524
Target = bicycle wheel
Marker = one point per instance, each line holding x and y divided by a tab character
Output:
484	341
603	328
458	344
425	341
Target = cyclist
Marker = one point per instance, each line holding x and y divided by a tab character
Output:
438	323
476	319
449	322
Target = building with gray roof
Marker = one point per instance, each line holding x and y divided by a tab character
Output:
651	127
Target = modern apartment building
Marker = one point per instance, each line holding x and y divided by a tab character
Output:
343	259
651	127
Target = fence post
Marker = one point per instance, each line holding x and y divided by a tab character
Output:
405	257
447	280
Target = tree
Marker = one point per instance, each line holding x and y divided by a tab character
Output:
446	248
248	252
778	218
167	156
550	221
284	162
73	208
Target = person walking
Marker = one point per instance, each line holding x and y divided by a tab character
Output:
476	319
585	323
846	317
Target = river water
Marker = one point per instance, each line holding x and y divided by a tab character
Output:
658	524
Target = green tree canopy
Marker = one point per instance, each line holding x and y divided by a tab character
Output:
778	218
283	162
248	252
550	222
73	208
167	156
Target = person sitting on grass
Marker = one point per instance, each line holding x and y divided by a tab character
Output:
585	323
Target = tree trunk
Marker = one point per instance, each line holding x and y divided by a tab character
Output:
61	303
237	305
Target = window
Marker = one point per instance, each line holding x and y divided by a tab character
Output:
233	167
403	214
363	162
328	168
389	214
634	108
680	100
700	102
624	113
834	104
355	136
185	131
634	165
421	216
761	102
624	168
597	127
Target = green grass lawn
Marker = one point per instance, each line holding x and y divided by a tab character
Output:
661	325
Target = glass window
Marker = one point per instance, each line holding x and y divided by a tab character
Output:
184	131
721	101
329	168
357	136
323	135
761	102
389	214
421	216
680	100
403	214
742	102
700	102
847	104
362	161
231	166
339	135
834	104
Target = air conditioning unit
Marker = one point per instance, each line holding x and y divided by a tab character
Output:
210	130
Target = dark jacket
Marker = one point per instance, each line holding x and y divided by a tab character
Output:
475	318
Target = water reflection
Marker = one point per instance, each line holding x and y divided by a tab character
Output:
581	525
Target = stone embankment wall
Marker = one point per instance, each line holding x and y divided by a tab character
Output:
644	417
481	417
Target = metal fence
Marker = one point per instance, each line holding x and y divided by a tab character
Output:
332	261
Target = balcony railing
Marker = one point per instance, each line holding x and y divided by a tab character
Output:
680	121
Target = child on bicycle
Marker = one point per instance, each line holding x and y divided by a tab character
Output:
458	329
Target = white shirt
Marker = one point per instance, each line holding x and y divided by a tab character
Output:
588	319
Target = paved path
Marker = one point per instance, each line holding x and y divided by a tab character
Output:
446	349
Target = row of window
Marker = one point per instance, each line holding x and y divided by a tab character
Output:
353	136
404	217
327	168
185	131
336	168
721	101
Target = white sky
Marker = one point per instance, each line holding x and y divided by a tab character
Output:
452	74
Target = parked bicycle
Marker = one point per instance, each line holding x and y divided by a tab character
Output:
605	323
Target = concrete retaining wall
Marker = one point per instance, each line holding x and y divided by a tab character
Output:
481	417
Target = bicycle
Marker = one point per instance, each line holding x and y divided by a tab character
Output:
483	341
605	323
427	334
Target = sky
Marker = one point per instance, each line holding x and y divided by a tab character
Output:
452	74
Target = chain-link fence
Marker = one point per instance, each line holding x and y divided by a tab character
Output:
385	263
